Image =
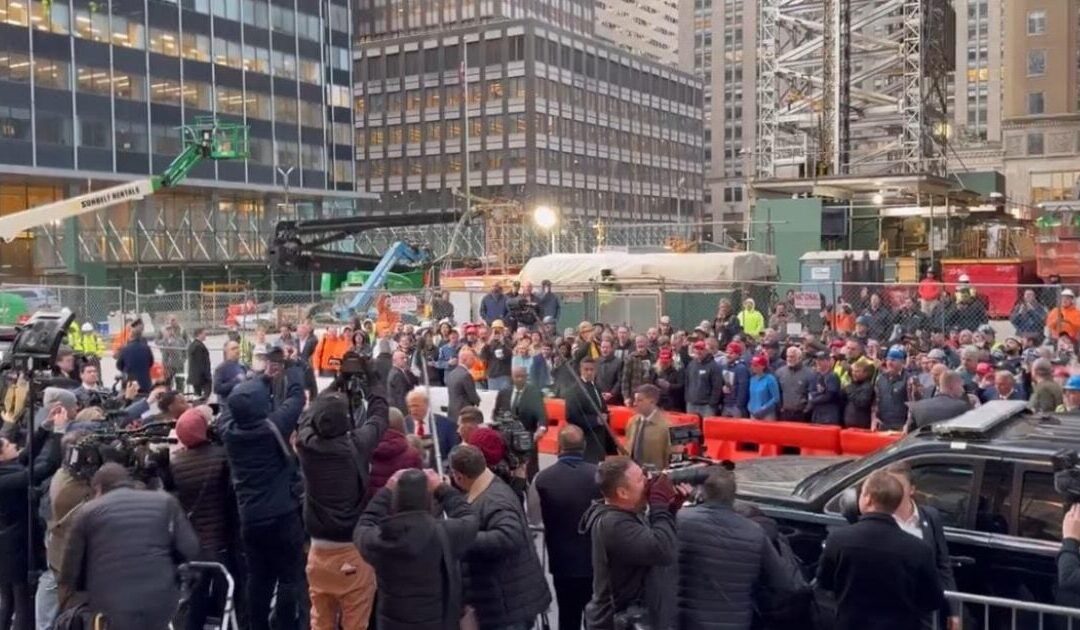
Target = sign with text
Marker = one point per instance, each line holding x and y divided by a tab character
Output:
808	301
404	303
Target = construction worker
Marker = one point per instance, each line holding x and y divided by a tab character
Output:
1065	318
74	337
90	343
1072	396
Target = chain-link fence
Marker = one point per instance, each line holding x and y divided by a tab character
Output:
887	310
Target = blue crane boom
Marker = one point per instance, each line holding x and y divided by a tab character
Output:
400	253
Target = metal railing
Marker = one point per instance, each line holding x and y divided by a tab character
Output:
997	613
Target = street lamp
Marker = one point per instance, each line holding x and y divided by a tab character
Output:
285	176
546	218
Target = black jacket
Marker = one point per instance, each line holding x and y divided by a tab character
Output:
335	470
15	478
565	491
672	398
725	559
704	383
201	483
530	406
460	391
868	597
415	592
1068	567
264	476
398	384
503	578
498	357
626	547
933	530
609	378
826	404
123	551
859	404
936	409
199	372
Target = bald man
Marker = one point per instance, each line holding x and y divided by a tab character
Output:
460	387
398	381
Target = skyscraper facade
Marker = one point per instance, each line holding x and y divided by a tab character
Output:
519	100
94	93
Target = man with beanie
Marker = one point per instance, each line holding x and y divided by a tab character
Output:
504	583
335	458
558	498
200	473
628	547
265	479
416	555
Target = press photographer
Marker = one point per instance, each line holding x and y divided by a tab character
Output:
266	480
631	553
335	441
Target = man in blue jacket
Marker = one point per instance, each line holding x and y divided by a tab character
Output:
265	479
736	383
230	373
493	305
136	358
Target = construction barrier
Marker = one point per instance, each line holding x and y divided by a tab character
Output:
735	439
556	415
863	442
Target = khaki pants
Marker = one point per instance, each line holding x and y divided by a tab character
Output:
342	587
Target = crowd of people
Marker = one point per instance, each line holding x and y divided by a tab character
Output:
360	505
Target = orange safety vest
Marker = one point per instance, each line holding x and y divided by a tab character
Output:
1064	320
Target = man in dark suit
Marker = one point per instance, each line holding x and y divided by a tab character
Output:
199	374
950	402
398	382
558	498
586	409
883	578
526	403
924	522
460	386
306	343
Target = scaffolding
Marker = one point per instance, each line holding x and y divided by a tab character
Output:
852	87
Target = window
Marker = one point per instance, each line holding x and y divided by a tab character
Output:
164	42
1035	103
13	12
285	109
14	67
14	123
53	128
164	91
50	16
1041	507
52	73
1036	22
1035	143
95	132
230	101
196	46
127	33
92	80
282	20
946	487
1036	62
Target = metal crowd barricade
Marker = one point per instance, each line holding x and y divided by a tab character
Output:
999	613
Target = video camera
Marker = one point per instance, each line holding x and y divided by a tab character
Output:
522	311
692	471
134	449
519	440
352	380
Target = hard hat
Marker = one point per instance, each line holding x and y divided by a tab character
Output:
87	327
963	278
1073	384
498	323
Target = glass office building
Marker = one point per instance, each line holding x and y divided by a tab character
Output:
92	93
521	98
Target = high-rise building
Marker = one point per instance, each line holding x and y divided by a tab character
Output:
649	28
1041	130
94	93
547	114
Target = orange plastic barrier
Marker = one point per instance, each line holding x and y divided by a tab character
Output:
734	439
862	441
556	413
619	419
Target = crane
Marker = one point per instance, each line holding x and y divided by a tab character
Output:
204	139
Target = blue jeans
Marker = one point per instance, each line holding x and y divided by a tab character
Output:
498	383
704	411
46	601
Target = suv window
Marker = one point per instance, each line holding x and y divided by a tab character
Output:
946	487
994	511
1041	508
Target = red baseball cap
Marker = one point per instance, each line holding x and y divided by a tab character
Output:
699	345
665	354
735	348
759	360
983	369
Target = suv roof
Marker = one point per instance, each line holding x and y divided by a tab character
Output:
1008	425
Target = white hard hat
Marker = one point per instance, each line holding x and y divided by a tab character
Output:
964	278
1068	293
88	327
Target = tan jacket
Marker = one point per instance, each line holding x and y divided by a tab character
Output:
654	448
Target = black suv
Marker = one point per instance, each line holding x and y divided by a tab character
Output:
989	472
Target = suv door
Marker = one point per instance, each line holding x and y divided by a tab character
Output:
1023	565
948	483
